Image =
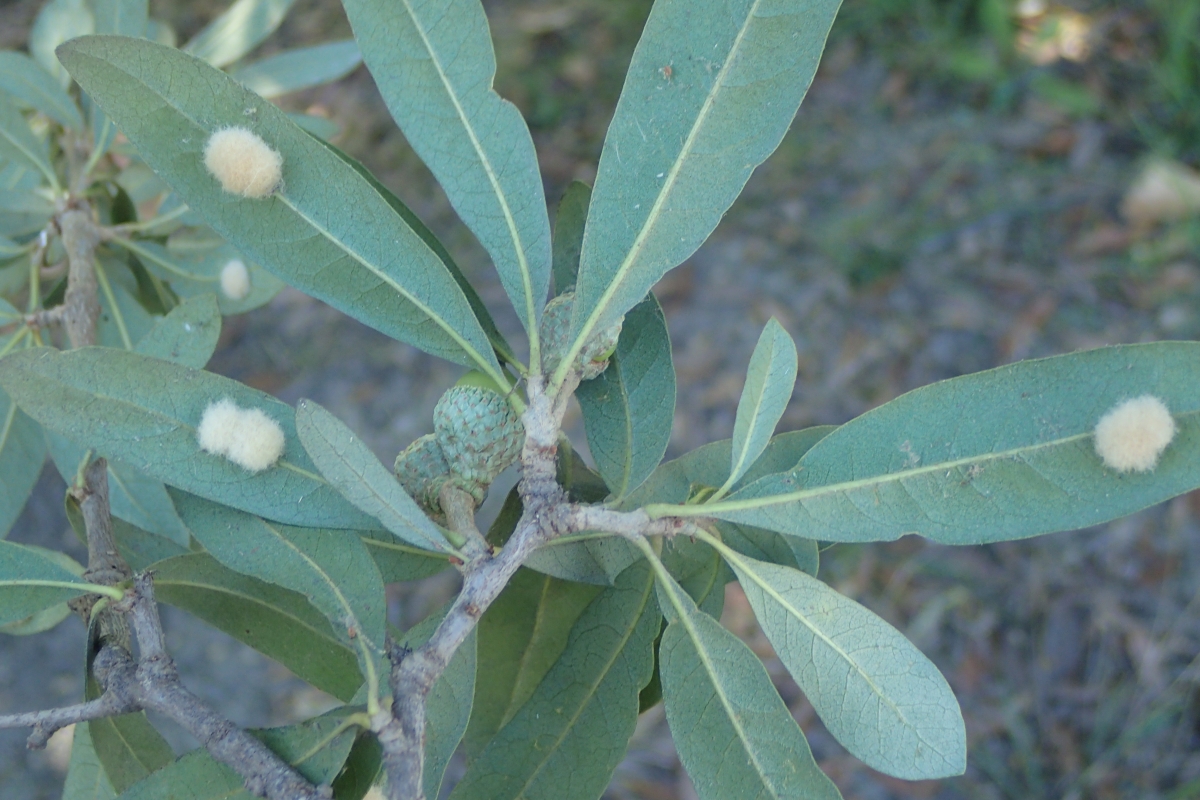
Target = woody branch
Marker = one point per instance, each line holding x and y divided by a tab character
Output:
546	515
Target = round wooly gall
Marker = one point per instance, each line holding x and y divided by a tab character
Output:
555	333
422	470
245	436
243	163
235	279
1132	435
478	431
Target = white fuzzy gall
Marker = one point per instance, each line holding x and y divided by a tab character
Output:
1132	435
235	279
246	436
243	163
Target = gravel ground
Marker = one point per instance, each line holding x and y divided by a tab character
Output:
901	238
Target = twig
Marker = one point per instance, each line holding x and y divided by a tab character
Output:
153	682
81	304
156	687
45	723
459	507
105	565
546	516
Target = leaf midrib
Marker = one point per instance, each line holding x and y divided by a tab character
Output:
595	686
718	690
657	510
486	163
324	576
742	567
147	411
14	140
207	587
9	420
365	483
438	320
655	211
739	464
478	358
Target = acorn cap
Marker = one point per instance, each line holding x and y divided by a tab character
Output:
555	333
479	434
422	470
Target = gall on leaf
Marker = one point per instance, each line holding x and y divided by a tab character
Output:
235	279
246	436
1133	434
243	163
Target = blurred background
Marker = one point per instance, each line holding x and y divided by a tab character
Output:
968	183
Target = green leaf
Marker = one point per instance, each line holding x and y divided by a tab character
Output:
734	735
58	21
276	622
764	545
573	731
315	748
329	567
104	132
502	347
998	455
31	581
584	558
122	17
302	68
24	79
434	64
47	618
85	775
401	562
8	250
141	548
23	212
123	321
188	335
770	379
360	770
876	693
242	27
356	254
144	412
448	708
353	470
628	410
195	273
700	571
684	140
568	234
18	142
128	746
133	496
703	575
707	466
22	451
521	635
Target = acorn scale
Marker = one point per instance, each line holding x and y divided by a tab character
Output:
480	435
422	470
555	333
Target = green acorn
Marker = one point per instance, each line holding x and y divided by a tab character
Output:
555	333
422	470
478	431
